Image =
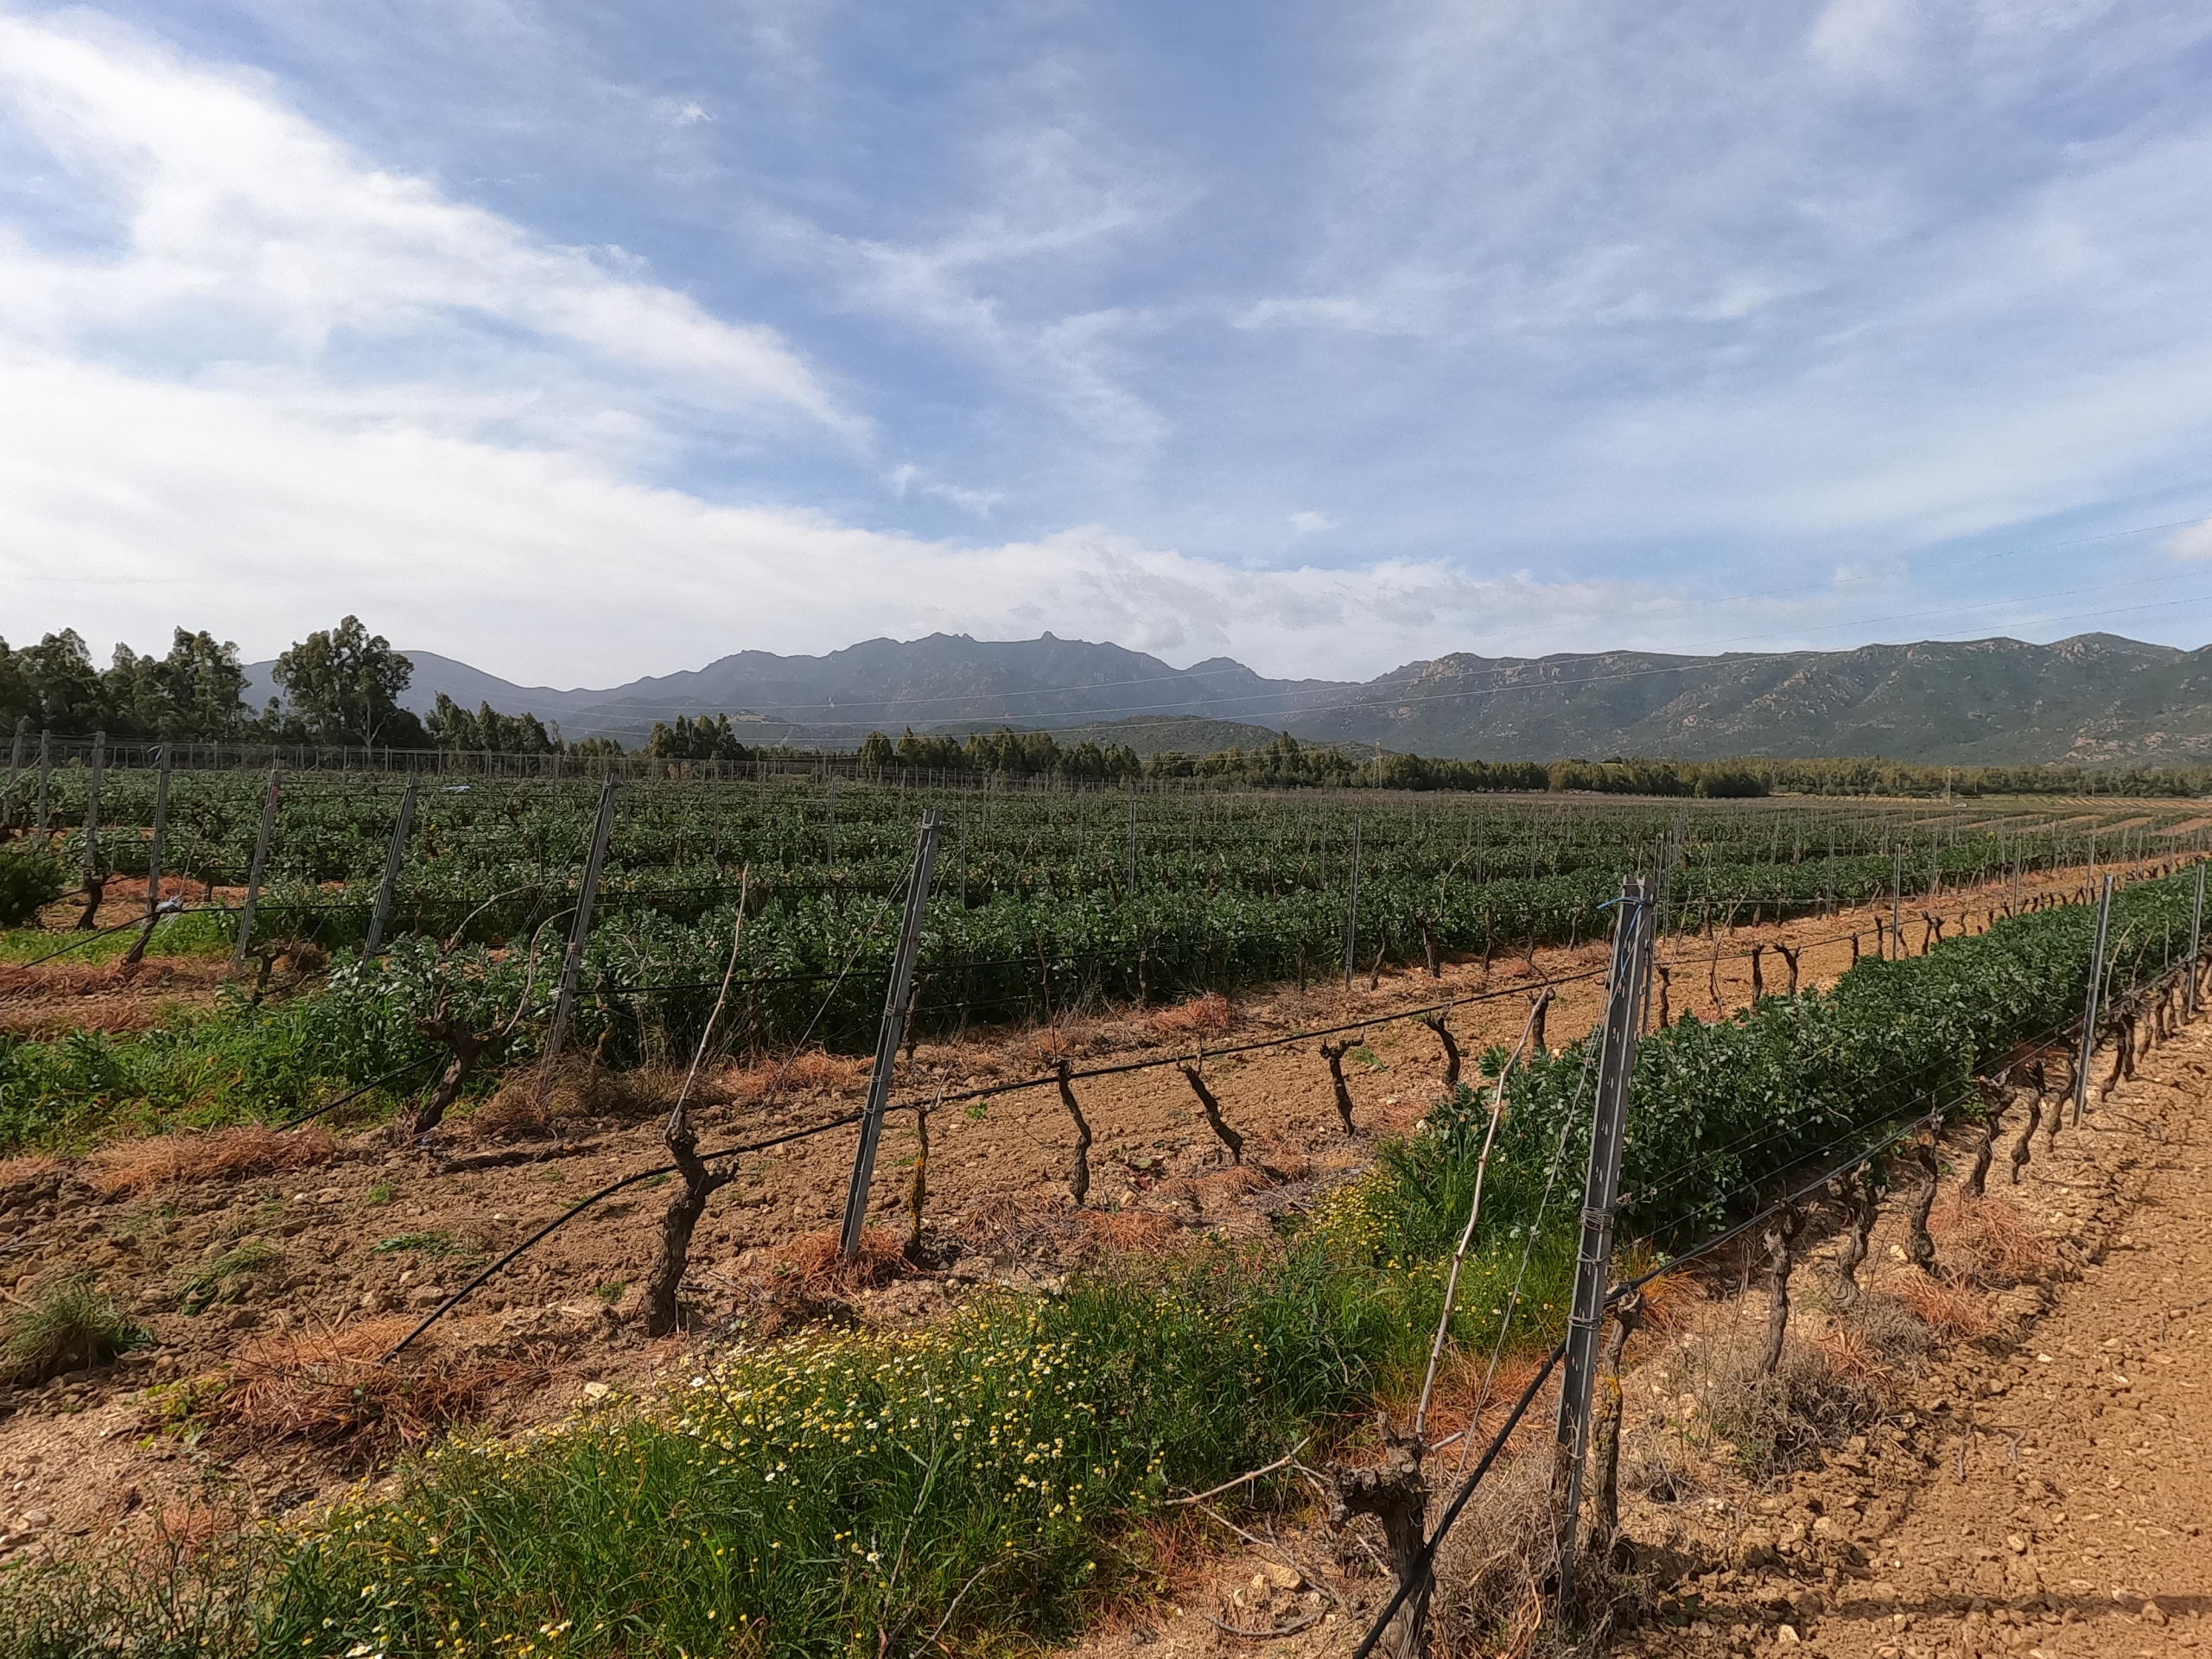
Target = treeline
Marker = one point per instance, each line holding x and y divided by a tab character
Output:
342	686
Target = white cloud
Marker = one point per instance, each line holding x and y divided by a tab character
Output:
245	237
1308	523
2194	542
128	505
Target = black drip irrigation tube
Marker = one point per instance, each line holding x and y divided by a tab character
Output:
608	1191
312	1113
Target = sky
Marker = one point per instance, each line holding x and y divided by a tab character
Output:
583	342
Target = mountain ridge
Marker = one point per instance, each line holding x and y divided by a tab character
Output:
2094	699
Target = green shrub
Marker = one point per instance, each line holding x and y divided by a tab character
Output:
31	877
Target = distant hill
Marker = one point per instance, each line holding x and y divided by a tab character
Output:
2095	699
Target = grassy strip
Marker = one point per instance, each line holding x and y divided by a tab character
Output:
242	1062
192	934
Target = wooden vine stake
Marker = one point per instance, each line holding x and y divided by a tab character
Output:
1227	1136
1919	1248
2023	1149
1790	961
1079	1172
917	1193
1996	1099
1395	1494
1334	1054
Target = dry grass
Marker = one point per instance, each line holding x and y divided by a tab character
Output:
332	1391
1127	1229
1816	1397
579	1091
131	1168
25	1171
1202	1016
808	1280
1989	1242
817	1069
1950	1305
1491	1566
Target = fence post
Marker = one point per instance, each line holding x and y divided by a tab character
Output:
382	914
1896	907
1625	987
260	865
579	929
14	771
161	834
888	1034
45	773
1133	842
2195	938
92	806
2089	1004
1351	912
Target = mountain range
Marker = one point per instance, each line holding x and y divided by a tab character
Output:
2095	699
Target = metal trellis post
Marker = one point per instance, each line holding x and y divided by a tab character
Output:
2195	938
1351	912
580	928
92	806
888	1034
45	774
14	771
2088	1049
161	834
260	867
400	828
1896	907
1626	987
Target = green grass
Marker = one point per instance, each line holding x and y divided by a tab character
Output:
211	934
205	1068
212	1280
65	1322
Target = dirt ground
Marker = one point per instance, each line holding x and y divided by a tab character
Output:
315	1245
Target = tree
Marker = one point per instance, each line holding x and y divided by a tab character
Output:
197	691
344	687
452	727
55	682
706	738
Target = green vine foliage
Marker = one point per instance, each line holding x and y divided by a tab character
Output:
1722	1111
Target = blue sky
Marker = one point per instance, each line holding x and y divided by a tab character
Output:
582	342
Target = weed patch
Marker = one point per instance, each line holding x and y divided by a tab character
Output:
64	1322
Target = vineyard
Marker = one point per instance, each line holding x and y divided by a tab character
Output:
1044	901
1077	949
